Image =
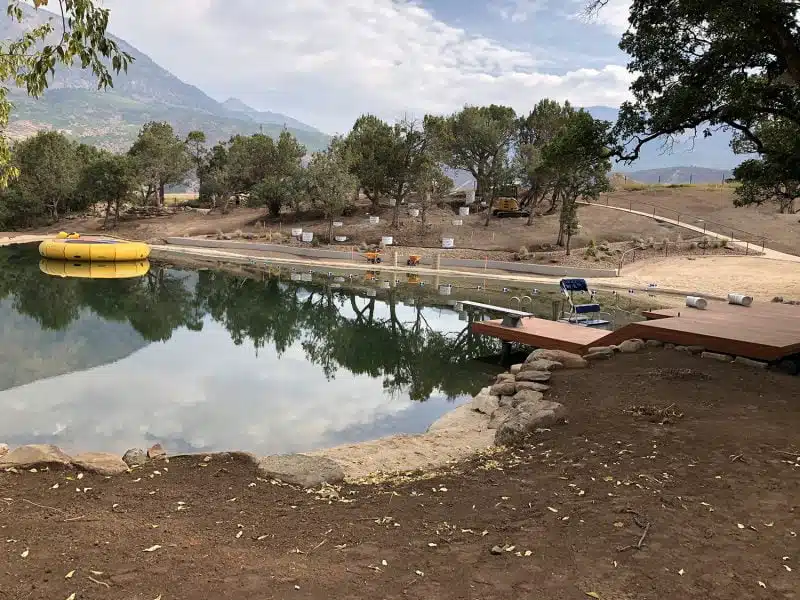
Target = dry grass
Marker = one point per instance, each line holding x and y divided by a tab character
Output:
177	198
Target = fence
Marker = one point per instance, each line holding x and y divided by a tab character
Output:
703	226
666	248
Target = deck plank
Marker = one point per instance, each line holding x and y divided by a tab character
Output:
541	333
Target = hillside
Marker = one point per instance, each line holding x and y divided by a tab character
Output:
147	92
678	175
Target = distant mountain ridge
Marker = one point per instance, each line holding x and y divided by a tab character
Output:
678	175
148	92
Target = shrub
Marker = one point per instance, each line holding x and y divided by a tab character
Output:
237	234
693	246
522	254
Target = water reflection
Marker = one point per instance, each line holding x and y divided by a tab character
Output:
203	360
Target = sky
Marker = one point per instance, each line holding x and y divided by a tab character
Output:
326	62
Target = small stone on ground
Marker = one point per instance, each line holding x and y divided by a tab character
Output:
35	455
717	356
300	469
156	451
631	346
135	457
100	462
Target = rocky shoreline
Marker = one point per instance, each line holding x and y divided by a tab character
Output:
504	414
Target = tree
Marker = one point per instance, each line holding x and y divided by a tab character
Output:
431	184
330	182
536	131
477	139
198	151
110	179
580	158
370	145
217	183
775	176
706	64
30	61
408	157
160	157
49	170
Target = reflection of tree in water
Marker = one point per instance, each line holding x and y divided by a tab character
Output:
408	355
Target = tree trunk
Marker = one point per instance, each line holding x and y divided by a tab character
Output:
116	212
54	210
489	212
108	211
569	238
160	195
396	215
330	230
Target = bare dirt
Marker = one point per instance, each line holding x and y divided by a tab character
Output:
701	457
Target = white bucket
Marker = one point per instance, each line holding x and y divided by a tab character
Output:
696	302
392	201
458	222
740	299
338	223
387	285
463	211
306	277
339	279
295	277
448	243
470	197
308	236
413	212
340	238
387	240
372	293
297	232
374	220
445	289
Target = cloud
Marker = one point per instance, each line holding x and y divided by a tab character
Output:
517	11
613	16
327	62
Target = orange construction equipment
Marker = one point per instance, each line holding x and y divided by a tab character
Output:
373	257
413	260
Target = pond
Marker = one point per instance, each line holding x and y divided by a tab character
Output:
205	360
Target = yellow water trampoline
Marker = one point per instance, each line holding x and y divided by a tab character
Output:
74	247
95	270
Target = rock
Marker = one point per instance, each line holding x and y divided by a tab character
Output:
599	350
631	346
3	450
35	455
540	376
669	346
528	417
690	349
485	403
532	385
301	469
567	359
135	457
526	396
100	462
496	550
504	377
741	360
542	364
156	451
601	354
505	388
716	356
515	369
499	417
654	343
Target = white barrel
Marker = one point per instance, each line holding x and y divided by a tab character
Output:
374	220
740	299
459	307
340	238
458	222
392	201
297	232
387	240
339	279
372	293
463	211
445	289
413	212
295	277
338	223
696	302
470	197
306	276
308	236
386	284
448	243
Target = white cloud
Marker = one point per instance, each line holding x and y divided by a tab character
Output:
613	16
327	62
517	11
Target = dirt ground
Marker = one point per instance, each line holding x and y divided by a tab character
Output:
702	457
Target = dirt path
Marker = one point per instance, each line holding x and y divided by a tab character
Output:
715	489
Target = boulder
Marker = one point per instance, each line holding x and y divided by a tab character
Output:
567	359
499	417
101	463
135	457
3	450
504	377
600	354
654	343
485	403
301	469
515	369
156	451
741	360
532	385
716	356
669	346
599	350
526	396
540	376
690	349
505	388
631	346
35	455
528	417
542	364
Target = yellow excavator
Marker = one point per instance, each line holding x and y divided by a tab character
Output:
506	204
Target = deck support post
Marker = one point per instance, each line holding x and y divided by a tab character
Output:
505	355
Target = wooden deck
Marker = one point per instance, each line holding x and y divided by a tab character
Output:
768	332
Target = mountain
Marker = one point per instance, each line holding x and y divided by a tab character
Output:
678	175
710	153
148	92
